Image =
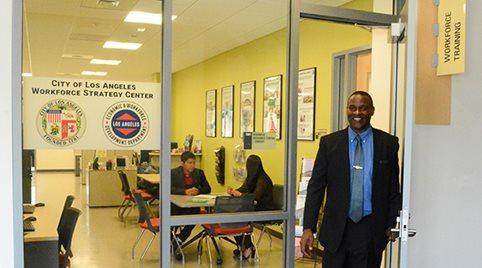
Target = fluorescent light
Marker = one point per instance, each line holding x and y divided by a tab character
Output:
94	73
141	29
105	62
26	74
122	45
145	17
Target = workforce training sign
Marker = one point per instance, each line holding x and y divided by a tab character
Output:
451	37
90	114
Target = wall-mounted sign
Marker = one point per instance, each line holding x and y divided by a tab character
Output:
90	114
451	38
259	140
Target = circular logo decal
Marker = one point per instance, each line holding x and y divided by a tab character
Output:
61	122
126	124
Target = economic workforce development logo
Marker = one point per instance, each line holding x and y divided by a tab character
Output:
126	124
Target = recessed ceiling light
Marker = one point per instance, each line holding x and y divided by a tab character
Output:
26	74
94	73
141	29
145	17
105	62
121	45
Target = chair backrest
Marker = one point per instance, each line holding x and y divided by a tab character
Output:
66	229
126	189
69	200
231	204
278	196
143	212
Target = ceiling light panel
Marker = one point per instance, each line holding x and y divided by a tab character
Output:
122	45
104	62
145	17
92	73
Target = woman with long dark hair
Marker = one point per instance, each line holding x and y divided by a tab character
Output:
258	183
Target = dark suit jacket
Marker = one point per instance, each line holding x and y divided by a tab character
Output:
331	173
199	181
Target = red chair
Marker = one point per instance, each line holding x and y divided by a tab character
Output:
128	201
145	223
228	204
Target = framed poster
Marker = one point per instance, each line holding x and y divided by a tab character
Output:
211	113
272	105
227	111
306	104
247	104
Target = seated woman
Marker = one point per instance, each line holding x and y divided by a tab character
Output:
258	183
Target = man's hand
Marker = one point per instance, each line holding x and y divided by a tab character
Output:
306	243
391	236
191	191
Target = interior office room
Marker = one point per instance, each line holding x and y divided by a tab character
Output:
87	116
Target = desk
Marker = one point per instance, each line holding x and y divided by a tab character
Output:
104	187
187	201
41	246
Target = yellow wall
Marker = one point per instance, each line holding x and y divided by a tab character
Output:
254	61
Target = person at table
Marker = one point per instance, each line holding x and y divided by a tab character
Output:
187	180
258	183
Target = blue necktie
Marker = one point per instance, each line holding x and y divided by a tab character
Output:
356	200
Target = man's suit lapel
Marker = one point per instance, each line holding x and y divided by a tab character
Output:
345	156
377	150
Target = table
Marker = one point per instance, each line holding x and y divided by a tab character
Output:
41	245
151	178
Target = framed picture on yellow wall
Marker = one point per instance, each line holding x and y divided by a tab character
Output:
227	111
306	104
247	107
272	105
211	113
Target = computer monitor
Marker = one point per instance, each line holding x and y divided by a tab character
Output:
120	162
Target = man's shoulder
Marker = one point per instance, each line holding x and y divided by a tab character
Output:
384	135
336	135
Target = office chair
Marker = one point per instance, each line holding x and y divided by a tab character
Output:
228	204
278	198
69	200
66	232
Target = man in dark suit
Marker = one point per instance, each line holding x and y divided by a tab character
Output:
187	180
358	168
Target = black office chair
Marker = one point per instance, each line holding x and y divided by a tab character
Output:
228	204
128	201
278	198
66	232
69	200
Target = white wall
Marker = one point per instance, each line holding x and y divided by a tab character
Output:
446	190
54	159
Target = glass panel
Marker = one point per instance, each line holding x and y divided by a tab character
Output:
91	105
378	6
349	50
229	64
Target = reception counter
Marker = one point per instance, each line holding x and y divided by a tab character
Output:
104	187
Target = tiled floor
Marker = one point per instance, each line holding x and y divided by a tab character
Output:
101	240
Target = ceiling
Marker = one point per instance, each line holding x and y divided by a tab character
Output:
61	36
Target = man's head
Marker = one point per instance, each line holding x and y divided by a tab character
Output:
188	161
359	110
